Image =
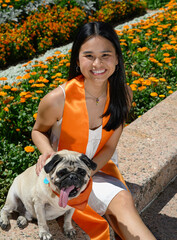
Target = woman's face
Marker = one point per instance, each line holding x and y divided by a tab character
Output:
97	59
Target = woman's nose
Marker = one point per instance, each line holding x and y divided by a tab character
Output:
97	62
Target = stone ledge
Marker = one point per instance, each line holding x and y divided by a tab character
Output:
148	151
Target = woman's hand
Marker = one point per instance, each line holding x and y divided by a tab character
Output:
42	160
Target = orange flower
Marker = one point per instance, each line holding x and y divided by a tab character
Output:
3	78
33	73
39	91
38	85
135	74
14	89
167	60
138	81
31	81
44	66
126	27
162	79
28	96
18	77
166	54
143	49
29	149
53	86
35	116
133	104
3	94
22	100
6	109
146	82
26	76
153	94
133	87
142	88
57	52
136	41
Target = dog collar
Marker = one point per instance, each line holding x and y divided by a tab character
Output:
81	201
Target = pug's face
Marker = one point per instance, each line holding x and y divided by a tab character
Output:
69	173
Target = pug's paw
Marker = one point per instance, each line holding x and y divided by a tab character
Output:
45	236
4	224
22	222
70	232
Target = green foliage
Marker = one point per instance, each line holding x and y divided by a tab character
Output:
154	4
13	161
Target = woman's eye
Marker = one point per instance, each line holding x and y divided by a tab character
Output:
89	56
105	55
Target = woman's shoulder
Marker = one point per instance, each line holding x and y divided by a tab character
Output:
55	96
53	101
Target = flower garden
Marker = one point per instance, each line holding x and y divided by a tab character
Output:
150	54
54	25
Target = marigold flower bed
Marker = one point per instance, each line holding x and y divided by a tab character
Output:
53	26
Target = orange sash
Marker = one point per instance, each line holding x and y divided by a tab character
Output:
74	136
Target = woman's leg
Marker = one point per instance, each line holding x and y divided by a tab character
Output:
125	220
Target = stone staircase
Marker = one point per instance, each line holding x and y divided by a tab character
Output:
147	158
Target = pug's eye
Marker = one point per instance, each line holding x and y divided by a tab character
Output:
81	171
62	172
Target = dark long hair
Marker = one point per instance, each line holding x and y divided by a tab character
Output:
119	97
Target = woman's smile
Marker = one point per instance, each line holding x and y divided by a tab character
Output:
98	72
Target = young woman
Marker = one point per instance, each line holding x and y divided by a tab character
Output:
87	114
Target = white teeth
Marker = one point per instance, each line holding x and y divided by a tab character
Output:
100	71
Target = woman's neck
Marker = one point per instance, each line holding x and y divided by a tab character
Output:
95	89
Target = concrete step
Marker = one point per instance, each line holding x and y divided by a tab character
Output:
148	151
161	215
148	160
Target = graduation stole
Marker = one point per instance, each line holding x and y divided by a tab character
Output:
74	136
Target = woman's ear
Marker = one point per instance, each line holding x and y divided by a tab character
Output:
78	64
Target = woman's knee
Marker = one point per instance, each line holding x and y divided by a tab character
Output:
121	202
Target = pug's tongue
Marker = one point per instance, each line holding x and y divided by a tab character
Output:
64	193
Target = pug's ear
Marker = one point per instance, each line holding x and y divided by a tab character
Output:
53	163
90	164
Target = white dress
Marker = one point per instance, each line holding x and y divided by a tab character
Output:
105	187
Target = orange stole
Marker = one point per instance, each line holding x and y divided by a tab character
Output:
74	136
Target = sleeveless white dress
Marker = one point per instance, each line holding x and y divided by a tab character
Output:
105	187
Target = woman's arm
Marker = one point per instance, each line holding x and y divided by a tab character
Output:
50	110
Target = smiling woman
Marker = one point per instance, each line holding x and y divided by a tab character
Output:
86	115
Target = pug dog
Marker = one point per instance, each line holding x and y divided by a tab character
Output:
67	173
